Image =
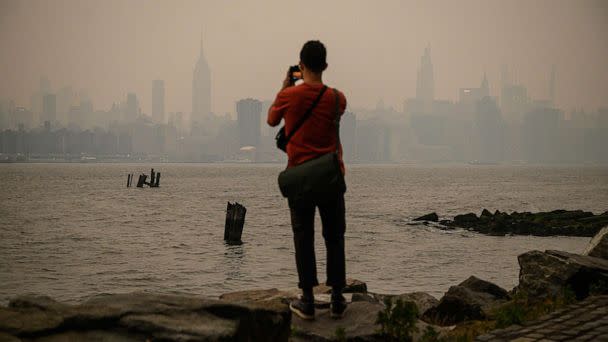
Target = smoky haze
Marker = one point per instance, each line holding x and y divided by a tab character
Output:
110	48
481	82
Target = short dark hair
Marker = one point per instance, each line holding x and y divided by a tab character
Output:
313	55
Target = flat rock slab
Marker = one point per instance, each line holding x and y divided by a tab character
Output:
358	322
143	316
584	321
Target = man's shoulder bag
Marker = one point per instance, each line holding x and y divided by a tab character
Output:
317	178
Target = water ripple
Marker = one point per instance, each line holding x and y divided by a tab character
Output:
64	235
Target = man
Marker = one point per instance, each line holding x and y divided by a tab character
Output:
317	136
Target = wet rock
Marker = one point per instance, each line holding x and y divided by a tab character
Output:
557	222
466	220
549	273
598	247
141	316
432	217
472	299
485	213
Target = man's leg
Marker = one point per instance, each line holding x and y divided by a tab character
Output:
302	223
334	225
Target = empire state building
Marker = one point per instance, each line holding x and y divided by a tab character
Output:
201	89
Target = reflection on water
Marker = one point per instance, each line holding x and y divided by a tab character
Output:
233	260
73	230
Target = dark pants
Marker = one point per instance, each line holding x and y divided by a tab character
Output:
334	224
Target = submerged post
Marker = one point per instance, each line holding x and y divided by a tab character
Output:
157	183
142	180
128	180
152	176
235	220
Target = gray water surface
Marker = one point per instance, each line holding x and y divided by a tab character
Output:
74	230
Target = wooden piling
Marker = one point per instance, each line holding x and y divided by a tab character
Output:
142	180
235	220
128	180
152	177
157	183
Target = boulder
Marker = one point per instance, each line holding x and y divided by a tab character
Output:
481	286
473	299
598	247
549	273
145	316
432	217
423	300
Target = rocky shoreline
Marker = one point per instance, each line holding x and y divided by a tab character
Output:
553	223
263	315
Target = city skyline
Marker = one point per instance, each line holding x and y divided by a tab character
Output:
467	39
478	128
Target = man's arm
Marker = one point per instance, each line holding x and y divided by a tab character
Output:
280	105
342	106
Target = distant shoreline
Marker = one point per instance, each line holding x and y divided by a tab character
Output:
411	163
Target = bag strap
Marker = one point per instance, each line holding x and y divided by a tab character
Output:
337	120
306	115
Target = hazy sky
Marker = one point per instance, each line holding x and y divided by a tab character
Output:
111	47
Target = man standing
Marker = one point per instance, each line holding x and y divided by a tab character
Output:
316	137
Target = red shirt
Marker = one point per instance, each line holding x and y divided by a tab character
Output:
317	136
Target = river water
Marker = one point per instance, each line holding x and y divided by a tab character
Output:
74	230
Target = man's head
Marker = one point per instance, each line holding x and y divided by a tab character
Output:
313	56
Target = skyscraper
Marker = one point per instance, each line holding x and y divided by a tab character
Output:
49	108
158	101
248	117
552	86
425	84
470	96
132	108
201	89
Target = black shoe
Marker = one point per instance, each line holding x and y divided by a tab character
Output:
338	306
304	309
